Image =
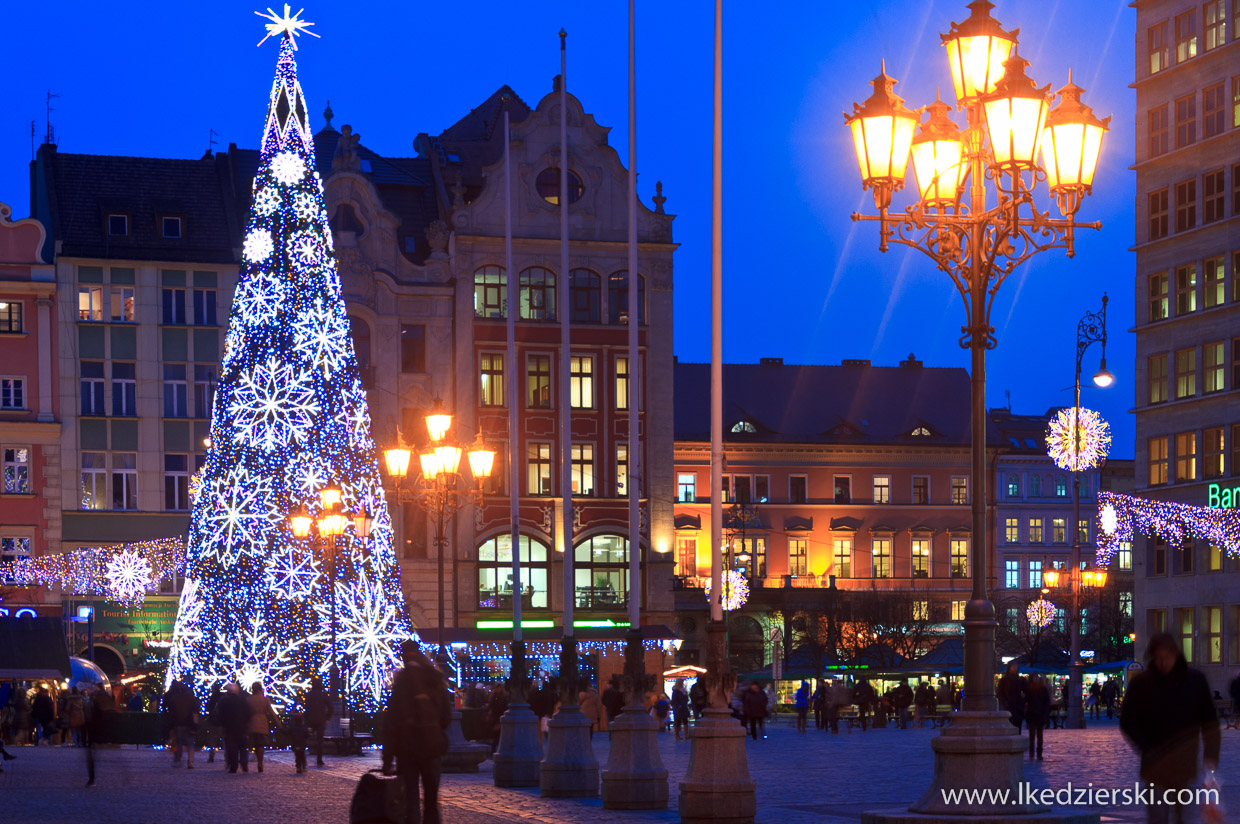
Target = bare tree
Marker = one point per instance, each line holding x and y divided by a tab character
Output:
885	624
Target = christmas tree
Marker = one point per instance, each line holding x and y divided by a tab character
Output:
290	418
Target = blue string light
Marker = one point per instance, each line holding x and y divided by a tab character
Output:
1121	517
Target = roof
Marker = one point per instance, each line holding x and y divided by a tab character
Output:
476	140
848	404
33	648
1021	434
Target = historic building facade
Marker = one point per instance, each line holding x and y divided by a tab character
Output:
1187	313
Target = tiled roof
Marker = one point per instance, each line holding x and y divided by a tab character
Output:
1021	433
476	140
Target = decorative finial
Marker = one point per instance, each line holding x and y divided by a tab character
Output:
327	115
288	26
658	198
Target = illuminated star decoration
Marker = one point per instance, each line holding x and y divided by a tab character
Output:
735	590
129	577
124	573
1174	522
1108	519
291	26
1062	440
1040	613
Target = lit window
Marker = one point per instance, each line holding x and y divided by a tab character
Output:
537	295
960	490
960	557
490	292
12	393
841	556
16	470
686	488
881	552
548	185
1012	530
491	388
882	489
583	469
921	557
1011	574
581	382
743	426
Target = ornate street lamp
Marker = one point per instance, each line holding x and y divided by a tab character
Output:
978	245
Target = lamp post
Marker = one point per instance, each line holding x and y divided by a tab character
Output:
324	534
441	491
1008	119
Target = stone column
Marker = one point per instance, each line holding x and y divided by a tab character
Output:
462	756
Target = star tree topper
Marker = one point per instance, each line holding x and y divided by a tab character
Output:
292	26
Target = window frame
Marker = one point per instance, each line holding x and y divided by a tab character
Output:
538	458
1186	36
123	300
926	490
13	393
1213	110
124	482
1186	205
491	392
882	489
1158	380
592	289
803	497
835	488
176	391
1158	126
613	570
1186	121
1213	367
1185	289
1159	296
958	488
491	281
880	557
582	468
176	484
540	380
125	391
1213	282
1034	572
1158	47
686	491
1158	212
164	225
536	294
205	303
498	568
97	472
1036	533
1011	530
15	471
1157	460
204	390
920	549
959	557
110	226
798	557
93	312
1186	373
841	556
581	374
172	306
1185	457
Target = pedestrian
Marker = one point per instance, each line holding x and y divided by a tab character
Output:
1109	694
298	736
753	704
902	698
1037	713
1095	699
1011	694
415	731
680	709
183	717
211	722
838	697
592	708
802	705
699	699
497	705
262	716
548	701
21	716
93	716
864	697
43	713
75	716
613	698
137	702
1169	718
234	712
318	713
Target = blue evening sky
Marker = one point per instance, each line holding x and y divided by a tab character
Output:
802	281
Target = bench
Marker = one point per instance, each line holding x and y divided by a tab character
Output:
1058	718
349	744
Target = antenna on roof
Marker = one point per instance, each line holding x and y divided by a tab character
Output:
50	135
211	141
1007	393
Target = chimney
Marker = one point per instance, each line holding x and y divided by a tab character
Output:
912	362
771	361
855	362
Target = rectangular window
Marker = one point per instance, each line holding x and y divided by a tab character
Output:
1185	36
882	489
118	225
204	390
742	486
1061	486
1184	624
1185	373
960	557
173	306
958	610
172	227
1157	377
175	405
538	461
413	348
538	382
1059	530
1035	486
1011	574
1185	122
622	470
798	556
843	489
798	489
1159	306
841	556
1215	291
921	557
16	470
1035	574
1212	452
11	317
921	489
13	549
1186	289
124	480
1158	214
1159	132
1035	530
1158	458
686	557
686	488
622	384
176	482
1082	531
1185	205
92	388
90	303
960	490
583	469
123	303
1214	635
1013	485
94	480
581	382
1235	99
491	387
124	389
490	292
1213	109
762	489
204	308
1186	456
1159	48
1216	24
12	393
881	552
1213	196
1214	558
1123	555
1011	531
921	610
1213	367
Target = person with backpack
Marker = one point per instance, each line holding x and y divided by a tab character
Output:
680	709
753	704
802	705
416	731
902	698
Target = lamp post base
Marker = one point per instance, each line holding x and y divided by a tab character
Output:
1075	719
462	756
717	788
569	769
635	778
517	759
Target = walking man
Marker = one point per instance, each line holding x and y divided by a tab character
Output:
415	731
318	713
234	713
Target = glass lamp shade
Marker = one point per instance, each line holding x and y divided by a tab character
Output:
1072	141
329	497
938	157
1050	578
430	465
330	525
976	51
300	523
882	130
481	461
363	522
438	421
1103	378
1015	117
448	457
397	461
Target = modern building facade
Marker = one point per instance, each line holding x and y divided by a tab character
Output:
1187	313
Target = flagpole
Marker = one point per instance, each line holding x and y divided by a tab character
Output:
633	485
568	655
514	471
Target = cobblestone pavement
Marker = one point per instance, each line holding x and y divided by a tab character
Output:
814	777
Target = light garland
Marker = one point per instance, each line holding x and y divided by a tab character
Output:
735	590
1121	517
1062	438
1040	613
125	574
290	418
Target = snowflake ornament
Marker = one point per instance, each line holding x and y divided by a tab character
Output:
369	633
239	514
258	245
323	334
260	298
1109	519
305	249
1077	448
129	575
735	590
292	575
273	405
1040	613
306	207
266	200
288	168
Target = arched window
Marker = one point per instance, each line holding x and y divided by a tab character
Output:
601	572
360	332
618	297
744	427
537	294
495	573
548	185
586	293
490	292
346	220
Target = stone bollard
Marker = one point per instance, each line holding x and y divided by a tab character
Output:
569	769
635	778
717	788
518	758
462	756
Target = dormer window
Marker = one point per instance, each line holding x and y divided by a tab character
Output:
920	432
744	427
172	227
118	225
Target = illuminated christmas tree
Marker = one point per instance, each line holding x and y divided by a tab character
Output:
290	418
